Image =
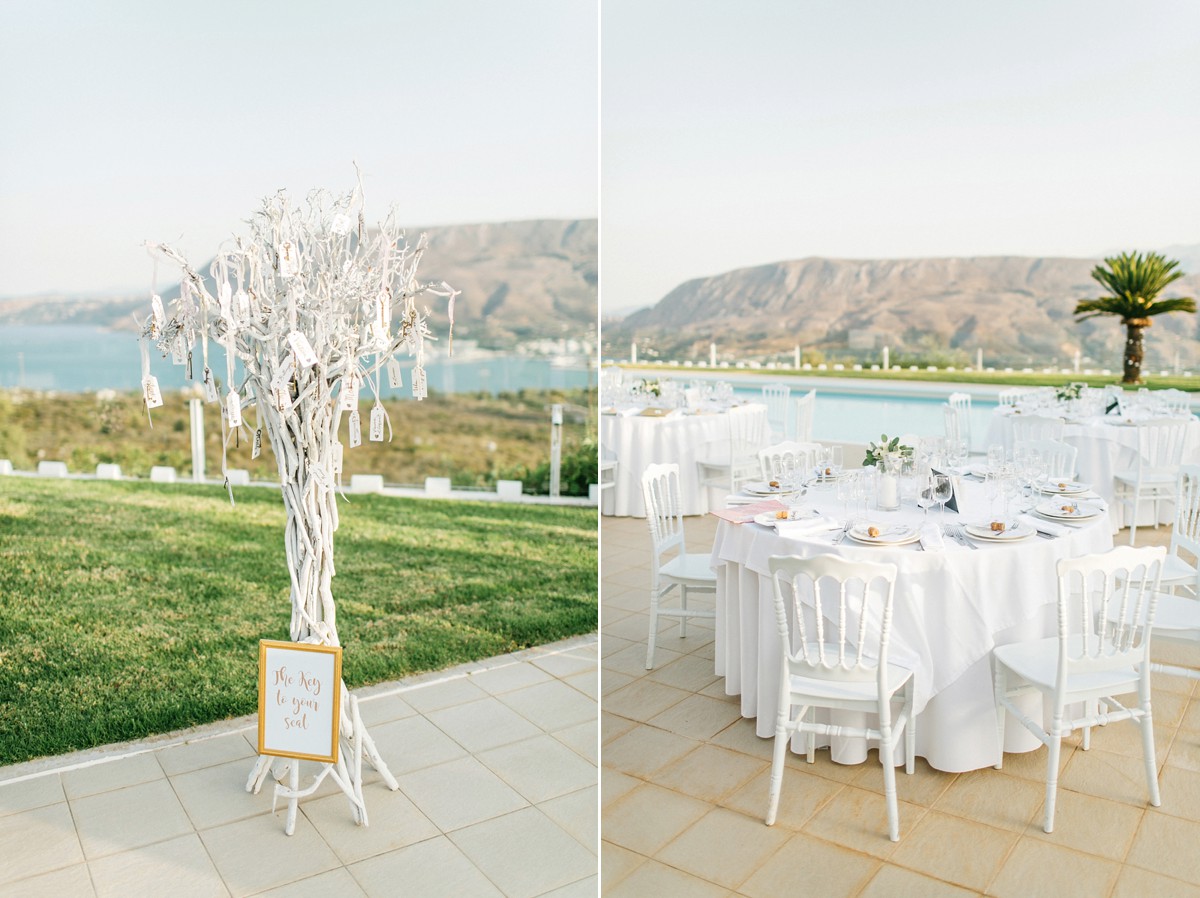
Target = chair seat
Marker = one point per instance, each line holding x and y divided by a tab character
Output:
848	690
1176	570
1036	662
1177	613
1156	477
694	567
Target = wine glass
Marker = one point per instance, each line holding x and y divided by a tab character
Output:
835	459
942	490
924	494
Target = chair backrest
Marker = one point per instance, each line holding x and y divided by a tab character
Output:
954	423
1036	427
1186	532
1160	443
1012	396
803	410
1106	608
842	612
1058	458
801	456
776	398
1176	402
664	510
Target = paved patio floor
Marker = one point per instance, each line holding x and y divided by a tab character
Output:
684	787
497	769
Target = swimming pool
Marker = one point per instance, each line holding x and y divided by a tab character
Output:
860	416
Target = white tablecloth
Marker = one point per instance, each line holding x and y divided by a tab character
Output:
637	441
951	608
1106	444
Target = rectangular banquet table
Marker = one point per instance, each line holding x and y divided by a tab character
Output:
951	607
637	441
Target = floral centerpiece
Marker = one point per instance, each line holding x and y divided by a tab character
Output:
877	452
651	386
1069	392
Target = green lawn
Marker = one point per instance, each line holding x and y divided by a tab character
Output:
132	609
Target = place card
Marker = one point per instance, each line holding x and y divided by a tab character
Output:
355	430
395	379
419	386
338	454
288	256
256	449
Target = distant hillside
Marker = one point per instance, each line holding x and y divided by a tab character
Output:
519	280
1018	310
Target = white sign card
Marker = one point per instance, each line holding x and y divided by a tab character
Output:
299	700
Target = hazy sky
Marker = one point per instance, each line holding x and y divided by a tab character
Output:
741	133
126	121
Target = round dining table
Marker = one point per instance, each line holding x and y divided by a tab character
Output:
1106	444
954	603
638	436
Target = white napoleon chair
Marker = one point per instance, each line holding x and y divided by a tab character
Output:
1036	427
803	410
961	403
1058	458
1176	402
1013	396
1178	572
730	462
775	460
837	659
689	571
1102	650
776	396
608	470
1151	478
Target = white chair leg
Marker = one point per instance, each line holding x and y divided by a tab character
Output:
653	629
1147	725
683	604
1089	708
1055	752
889	783
811	745
910	731
1000	684
781	741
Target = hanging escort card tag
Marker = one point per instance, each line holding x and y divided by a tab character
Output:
150	392
160	316
377	416
210	386
394	377
338	452
288	261
303	349
178	350
340	225
233	409
355	429
419	387
241	306
348	399
256	449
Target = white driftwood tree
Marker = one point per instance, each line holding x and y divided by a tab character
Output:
316	309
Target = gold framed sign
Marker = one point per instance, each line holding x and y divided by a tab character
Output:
299	700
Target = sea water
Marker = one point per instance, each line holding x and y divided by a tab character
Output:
78	359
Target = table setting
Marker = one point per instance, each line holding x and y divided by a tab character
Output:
976	567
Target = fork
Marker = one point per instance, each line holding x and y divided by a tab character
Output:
841	536
961	536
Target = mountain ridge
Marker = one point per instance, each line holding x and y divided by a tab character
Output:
1017	309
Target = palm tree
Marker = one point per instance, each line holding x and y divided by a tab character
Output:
1133	282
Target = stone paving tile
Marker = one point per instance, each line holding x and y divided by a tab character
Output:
525	853
30	794
179	867
74	881
111	775
459	793
205	753
38	841
116	821
435	868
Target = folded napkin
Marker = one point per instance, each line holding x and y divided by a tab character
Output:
1044	526
748	510
931	538
806	526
